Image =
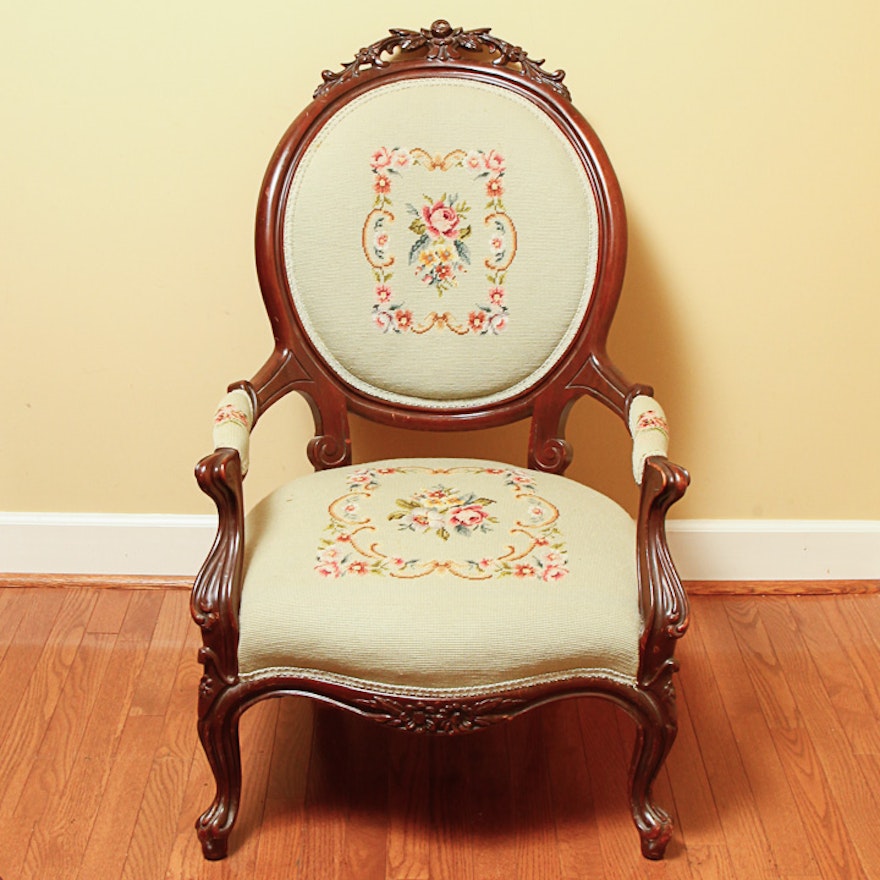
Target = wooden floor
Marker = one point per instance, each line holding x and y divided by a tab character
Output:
776	771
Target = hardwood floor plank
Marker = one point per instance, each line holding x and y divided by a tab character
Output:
14	604
59	749
281	831
110	610
29	642
449	849
534	825
155	829
323	837
842	770
365	766
409	795
44	689
257	736
840	644
172	626
737	808
698	822
73	811
108	844
488	806
744	698
577	832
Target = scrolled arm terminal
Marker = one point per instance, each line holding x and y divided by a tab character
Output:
649	431
233	421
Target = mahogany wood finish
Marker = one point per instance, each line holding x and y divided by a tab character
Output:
295	365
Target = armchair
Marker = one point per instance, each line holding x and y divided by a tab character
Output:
440	246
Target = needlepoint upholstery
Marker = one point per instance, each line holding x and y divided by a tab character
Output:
474	233
450	572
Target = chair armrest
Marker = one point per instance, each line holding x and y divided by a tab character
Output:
233	421
649	431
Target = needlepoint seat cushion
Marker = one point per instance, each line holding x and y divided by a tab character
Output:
440	573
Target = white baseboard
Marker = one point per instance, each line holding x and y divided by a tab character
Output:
705	550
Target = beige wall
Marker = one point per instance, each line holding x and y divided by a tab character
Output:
746	136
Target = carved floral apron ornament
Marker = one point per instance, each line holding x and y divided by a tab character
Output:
439	253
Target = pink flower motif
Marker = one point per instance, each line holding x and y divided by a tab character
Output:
360	477
477	321
382	240
385	471
382	158
496	296
444	271
474	161
494	189
383	293
357	567
382	184
497	244
397	561
328	570
486	563
401	158
494	470
523	570
494	161
497	322
383	321
404	319
554	573
441	219
470	516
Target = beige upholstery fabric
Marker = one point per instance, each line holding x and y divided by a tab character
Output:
441	574
650	433
233	421
441	242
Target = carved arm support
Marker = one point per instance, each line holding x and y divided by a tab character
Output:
217	590
664	603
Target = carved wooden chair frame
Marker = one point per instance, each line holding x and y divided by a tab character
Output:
295	365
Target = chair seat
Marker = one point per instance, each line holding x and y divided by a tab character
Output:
439	573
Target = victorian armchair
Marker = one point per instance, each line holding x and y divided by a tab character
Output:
440	245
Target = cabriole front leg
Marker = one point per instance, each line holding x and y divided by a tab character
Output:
218	731
656	733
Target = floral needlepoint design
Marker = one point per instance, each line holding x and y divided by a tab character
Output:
531	548
439	253
652	420
441	510
230	413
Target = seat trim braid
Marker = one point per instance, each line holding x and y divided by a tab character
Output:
461	692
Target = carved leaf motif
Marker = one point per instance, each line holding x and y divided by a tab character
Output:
444	43
439	717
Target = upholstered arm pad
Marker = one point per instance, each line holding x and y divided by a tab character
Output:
650	433
232	424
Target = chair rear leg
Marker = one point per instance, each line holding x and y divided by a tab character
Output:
653	742
218	731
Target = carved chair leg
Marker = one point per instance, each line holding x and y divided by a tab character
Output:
218	731
656	734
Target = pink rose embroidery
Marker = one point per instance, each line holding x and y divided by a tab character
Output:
382	158
470	517
441	220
